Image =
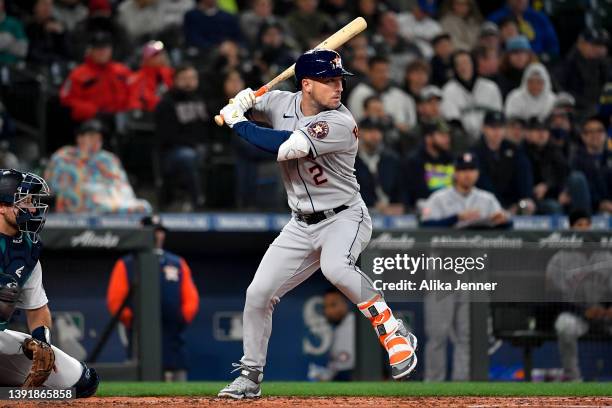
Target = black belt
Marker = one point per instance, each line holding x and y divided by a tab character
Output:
317	217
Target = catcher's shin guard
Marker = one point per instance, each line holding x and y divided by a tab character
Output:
392	335
88	383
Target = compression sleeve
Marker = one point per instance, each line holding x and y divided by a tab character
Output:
264	138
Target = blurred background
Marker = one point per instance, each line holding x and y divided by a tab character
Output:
112	101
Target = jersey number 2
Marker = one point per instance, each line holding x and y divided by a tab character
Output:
317	174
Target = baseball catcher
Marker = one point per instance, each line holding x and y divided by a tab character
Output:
29	360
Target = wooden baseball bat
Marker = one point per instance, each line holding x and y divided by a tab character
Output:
333	42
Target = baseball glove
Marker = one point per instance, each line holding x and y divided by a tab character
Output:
43	360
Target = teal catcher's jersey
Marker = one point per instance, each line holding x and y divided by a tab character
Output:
19	261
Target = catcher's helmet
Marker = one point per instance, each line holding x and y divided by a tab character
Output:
319	63
25	191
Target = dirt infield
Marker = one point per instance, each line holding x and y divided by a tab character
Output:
336	402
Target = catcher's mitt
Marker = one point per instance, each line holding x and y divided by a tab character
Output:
43	360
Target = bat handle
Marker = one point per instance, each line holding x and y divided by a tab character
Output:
219	118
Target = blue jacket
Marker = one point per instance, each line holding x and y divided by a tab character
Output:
506	173
543	38
598	172
388	178
205	31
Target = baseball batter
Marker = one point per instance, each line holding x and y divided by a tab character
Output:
315	139
30	360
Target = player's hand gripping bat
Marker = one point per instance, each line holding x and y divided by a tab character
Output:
333	42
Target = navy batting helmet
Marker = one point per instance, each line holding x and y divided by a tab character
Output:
319	63
27	192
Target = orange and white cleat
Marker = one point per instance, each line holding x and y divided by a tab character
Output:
401	346
393	335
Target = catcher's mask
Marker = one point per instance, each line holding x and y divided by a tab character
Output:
27	193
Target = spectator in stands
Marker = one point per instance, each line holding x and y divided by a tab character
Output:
87	179
274	54
48	41
178	295
563	130
182	122
173	12
505	170
341	11
100	19
308	24
152	80
357	51
252	20
429	168
388	42
595	162
466	97
570	271
206	26
533	24
341	357
13	40
488	63
99	86
534	97
509	28
428	108
584	72
141	19
441	66
515	131
69	13
378	171
418	26
462	205
549	168
447	317
355	55
416	77
489	36
428	111
374	110
370	10
397	103
462	20
515	60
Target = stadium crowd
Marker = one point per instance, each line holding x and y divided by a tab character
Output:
525	88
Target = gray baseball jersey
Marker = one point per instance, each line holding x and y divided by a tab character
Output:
324	179
448	202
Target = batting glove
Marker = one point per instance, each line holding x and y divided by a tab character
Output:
232	114
245	99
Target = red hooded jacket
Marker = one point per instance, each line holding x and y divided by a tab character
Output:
91	88
147	85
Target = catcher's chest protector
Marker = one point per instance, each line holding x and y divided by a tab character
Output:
18	257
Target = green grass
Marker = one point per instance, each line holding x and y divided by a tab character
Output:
383	389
